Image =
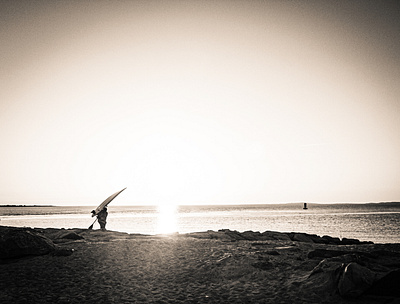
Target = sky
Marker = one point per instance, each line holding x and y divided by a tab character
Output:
199	102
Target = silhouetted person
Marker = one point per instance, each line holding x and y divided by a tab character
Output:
102	218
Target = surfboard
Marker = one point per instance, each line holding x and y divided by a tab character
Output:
106	202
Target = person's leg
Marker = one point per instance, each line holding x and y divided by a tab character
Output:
102	225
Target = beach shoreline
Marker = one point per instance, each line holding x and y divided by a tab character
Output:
94	266
366	222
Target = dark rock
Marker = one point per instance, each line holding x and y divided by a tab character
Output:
389	285
251	235
300	237
209	234
61	235
346	241
308	238
331	240
317	239
341	275
355	280
326	253
366	242
70	235
273	235
323	279
19	242
326	266
233	235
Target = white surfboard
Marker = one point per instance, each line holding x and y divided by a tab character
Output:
106	202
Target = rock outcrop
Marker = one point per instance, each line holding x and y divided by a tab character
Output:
233	235
354	275
388	285
19	242
355	280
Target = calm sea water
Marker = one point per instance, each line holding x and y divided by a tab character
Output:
379	223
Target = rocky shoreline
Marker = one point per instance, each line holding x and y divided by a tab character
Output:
225	266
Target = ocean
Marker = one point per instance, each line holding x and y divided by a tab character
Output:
377	222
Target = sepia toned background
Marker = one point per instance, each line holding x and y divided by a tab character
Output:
199	102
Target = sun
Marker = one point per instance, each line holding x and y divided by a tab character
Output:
167	219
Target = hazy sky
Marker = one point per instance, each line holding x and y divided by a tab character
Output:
199	102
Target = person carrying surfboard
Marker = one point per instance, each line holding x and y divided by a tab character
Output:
102	218
101	211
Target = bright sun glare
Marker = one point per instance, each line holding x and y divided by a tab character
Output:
167	219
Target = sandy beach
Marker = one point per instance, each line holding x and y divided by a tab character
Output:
93	266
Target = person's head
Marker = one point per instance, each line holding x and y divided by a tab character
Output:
105	208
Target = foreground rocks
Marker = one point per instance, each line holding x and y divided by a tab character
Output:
203	267
21	242
18	242
358	274
345	270
229	235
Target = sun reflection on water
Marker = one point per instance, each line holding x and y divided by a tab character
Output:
167	219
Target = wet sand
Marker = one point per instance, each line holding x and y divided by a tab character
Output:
113	267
